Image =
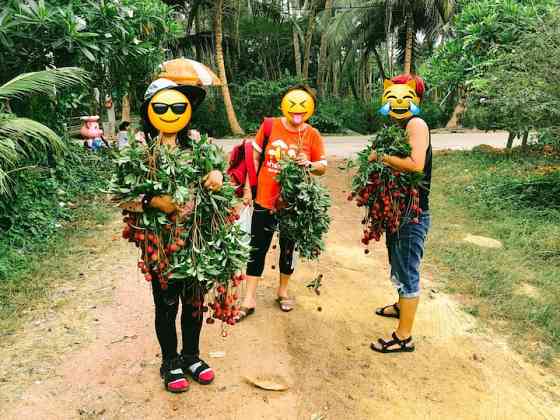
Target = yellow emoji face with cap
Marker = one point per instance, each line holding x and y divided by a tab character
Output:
297	106
400	101
169	111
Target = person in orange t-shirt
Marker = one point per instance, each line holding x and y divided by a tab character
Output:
291	137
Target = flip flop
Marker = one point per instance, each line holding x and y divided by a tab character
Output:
244	312
286	303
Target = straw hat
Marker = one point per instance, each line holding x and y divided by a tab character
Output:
184	71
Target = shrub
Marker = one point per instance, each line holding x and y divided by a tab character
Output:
41	202
435	115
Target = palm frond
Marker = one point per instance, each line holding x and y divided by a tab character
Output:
23	138
42	82
30	138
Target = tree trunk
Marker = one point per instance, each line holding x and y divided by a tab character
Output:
308	40
335	69
297	52
109	129
125	109
295	36
510	139
458	111
409	41
323	63
525	139
379	64
232	118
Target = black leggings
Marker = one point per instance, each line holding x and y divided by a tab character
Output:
263	226
167	306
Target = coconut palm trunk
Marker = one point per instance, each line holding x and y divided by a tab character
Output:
308	39
323	63
230	111
409	41
297	52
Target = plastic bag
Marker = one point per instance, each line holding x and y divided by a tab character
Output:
245	217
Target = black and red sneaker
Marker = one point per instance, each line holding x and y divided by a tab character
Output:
198	369
173	376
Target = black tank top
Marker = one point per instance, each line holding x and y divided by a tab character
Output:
425	185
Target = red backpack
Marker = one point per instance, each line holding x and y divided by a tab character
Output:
241	161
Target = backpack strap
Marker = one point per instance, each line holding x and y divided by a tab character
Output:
267	125
267	128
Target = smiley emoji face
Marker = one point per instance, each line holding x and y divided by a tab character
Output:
400	101
298	106
169	111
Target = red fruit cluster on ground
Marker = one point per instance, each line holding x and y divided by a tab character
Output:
387	201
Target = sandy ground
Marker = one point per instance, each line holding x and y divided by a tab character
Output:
91	353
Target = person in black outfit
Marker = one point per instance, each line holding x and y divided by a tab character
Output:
166	299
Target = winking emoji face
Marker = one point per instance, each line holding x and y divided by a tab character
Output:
298	106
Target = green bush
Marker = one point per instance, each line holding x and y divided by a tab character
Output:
549	136
258	99
211	117
42	201
435	115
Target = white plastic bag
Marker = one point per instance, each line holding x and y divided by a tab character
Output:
245	217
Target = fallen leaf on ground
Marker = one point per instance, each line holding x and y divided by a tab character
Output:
268	382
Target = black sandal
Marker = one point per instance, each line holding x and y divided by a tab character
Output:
198	369
405	345
173	376
381	311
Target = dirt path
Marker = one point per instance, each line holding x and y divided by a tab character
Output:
92	353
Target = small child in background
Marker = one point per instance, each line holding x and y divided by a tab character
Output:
139	136
122	135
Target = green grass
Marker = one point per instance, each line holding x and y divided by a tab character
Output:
513	198
34	269
54	204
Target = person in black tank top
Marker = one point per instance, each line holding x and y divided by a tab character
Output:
405	248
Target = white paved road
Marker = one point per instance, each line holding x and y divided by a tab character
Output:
346	146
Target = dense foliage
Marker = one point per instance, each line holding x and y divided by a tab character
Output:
258	99
120	43
389	197
498	60
45	197
304	214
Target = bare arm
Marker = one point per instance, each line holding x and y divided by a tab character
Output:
418	134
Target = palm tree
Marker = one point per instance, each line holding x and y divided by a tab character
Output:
372	22
418	16
323	63
24	138
312	7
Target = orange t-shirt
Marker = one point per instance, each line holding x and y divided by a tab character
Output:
282	142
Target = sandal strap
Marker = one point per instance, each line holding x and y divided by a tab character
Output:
397	340
198	368
381	311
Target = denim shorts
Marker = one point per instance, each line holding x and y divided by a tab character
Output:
406	249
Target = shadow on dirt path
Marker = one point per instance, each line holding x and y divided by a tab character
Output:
93	353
